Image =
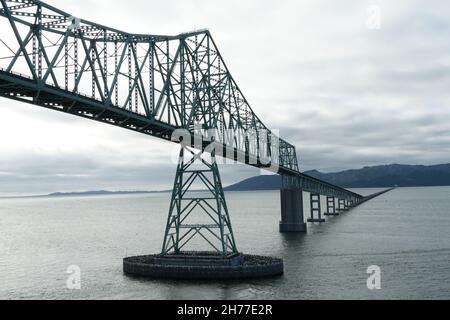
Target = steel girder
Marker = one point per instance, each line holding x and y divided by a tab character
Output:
153	84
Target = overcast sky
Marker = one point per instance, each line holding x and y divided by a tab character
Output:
346	95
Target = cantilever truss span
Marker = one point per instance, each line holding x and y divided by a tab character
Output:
152	84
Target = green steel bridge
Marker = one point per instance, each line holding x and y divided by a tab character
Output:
157	85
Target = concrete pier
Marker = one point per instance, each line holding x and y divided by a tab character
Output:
331	207
341	206
292	211
316	209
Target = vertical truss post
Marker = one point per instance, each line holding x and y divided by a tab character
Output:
331	207
39	40
198	216
183	84
116	66
197	71
105	64
208	79
168	80
93	68
130	82
66	65
151	73
315	209
34	43
292	219
75	60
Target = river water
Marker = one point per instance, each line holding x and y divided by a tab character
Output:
406	233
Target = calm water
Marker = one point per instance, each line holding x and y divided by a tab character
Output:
406	232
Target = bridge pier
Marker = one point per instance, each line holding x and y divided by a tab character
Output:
291	208
315	208
346	205
331	207
292	211
341	206
350	204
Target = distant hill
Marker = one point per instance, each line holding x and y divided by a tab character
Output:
272	182
389	175
96	193
367	177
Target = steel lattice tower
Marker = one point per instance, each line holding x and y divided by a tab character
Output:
195	214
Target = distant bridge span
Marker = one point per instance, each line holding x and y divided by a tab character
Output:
151	84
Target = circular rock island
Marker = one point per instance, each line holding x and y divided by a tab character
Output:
203	266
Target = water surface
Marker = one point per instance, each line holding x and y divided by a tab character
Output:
405	232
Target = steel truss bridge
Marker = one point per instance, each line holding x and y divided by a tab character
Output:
155	85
